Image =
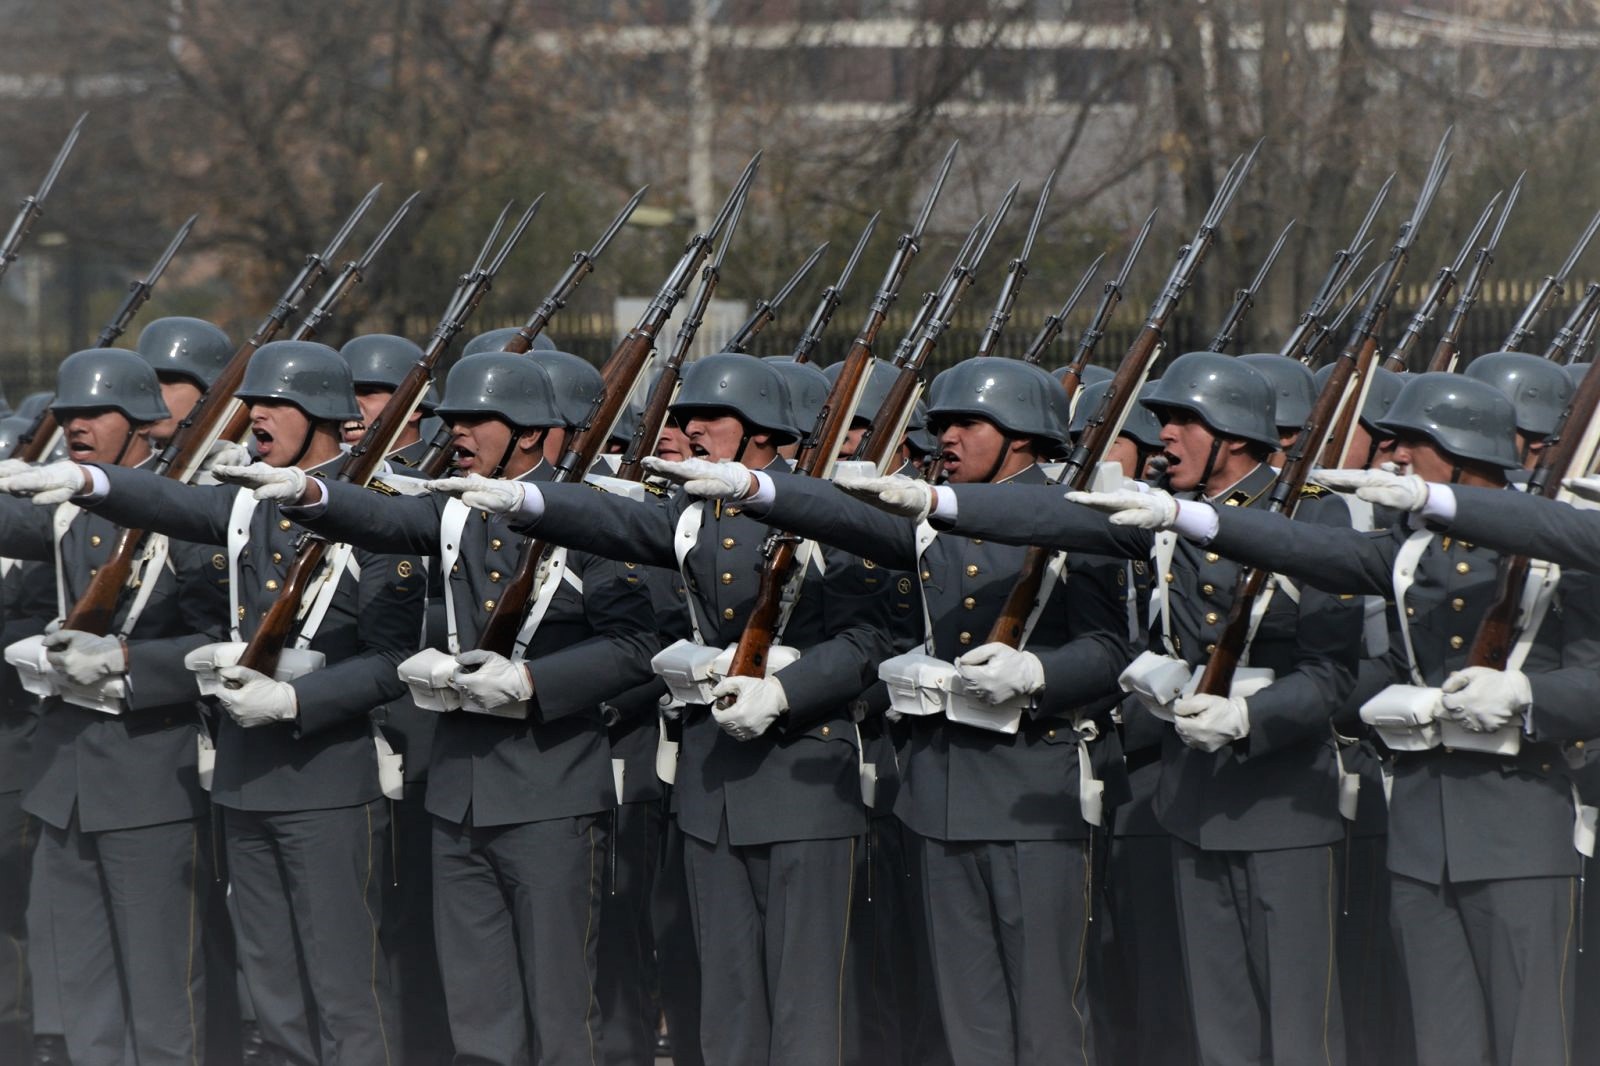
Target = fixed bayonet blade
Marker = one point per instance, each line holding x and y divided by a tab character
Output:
173	245
1356	299
1133	252
727	236
488	242
799	276
618	222
1038	216
1371	216
1477	231
332	250
999	217
1083	285
855	253
60	159
1505	213
384	234
1578	249
1430	189
515	235
1272	257
735	197
1231	183
933	193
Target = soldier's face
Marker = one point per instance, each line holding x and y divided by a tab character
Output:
972	447
479	443
280	430
369	402
1187	443
180	395
672	445
852	439
1422	457
715	436
96	436
1355	456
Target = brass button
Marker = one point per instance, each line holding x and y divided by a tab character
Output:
277	557
1449	750
969	603
494	545
927	575
1050	734
93	570
727	613
494	575
284	523
1578	744
1458	604
1456	641
1462	567
241	612
455	568
1208	590
1411	612
630	566
488	605
272	585
965	638
728	542
975	540
1169	577
868	564
727	578
1212	557
94	540
1211	618
1545	767
828	731
1211	649
972	569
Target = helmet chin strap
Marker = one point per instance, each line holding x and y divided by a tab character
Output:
1211	465
1372	451
305	441
511	449
999	459
127	442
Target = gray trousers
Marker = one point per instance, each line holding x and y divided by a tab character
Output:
307	896
772	923
677	956
1491	965
626	969
1008	923
516	914
18	831
408	935
1258	929
123	915
1143	1005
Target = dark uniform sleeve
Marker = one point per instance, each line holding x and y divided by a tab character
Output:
1329	557
814	508
1529	525
579	516
1040	514
1564	704
26	530
156	674
618	608
142	500
375	521
835	671
1086	667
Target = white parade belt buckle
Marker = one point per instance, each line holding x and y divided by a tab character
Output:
686	668
918	684
427	675
205	662
1156	681
31	660
1507	740
1405	716
966	707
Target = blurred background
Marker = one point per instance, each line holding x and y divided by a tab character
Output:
271	118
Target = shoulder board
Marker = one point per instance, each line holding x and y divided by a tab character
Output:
1310	491
655	490
381	486
1237	498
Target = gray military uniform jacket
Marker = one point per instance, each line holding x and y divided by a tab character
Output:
138	768
801	779
556	763
1278	787
958	782
1460	815
324	758
27	603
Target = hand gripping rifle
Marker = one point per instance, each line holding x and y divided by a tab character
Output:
1448	347
621	374
648	431
33	206
140	288
766	310
1245	298
1217	677
265	646
1110	297
1444	282
1339	271
1050	329
97	607
1105	422
436	459
1015	272
818	450
1552	286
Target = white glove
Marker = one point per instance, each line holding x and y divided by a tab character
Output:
999	673
753	704
705	479
1152	509
485	493
251	698
48	485
1400	492
1483	700
281	484
1209	722
227	453
895	493
1587	488
84	657
487	679
12	467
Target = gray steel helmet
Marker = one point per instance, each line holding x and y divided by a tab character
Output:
1019	398
1466	417
307	374
511	387
382	360
33	403
12	427
114	378
495	340
622	432
1575	371
1092	374
1232	398
1539	389
186	347
1386	385
880	378
1140	424
577	385
808	390
1292	382
743	385
917	435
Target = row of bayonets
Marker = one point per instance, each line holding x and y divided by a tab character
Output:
220	417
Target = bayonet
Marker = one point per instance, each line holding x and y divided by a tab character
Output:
139	290
1245	298
354	271
33	206
1052	323
1017	271
828	302
766	310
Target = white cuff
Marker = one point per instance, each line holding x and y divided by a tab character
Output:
101	486
944	506
1440	505
1196	521
766	494
532	502
316	508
